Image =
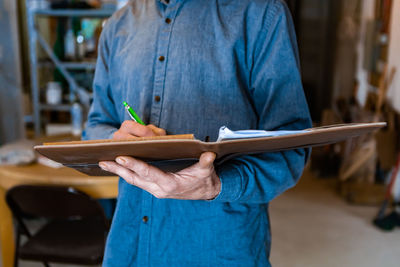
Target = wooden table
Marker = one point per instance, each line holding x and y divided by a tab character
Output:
96	187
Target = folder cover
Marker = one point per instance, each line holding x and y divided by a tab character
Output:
175	152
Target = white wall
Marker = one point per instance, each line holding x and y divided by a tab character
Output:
367	14
394	55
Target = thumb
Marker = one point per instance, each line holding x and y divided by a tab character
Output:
206	160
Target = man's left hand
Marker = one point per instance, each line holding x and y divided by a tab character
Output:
197	182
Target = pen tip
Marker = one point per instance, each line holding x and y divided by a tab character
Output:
125	104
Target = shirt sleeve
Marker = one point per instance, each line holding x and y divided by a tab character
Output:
278	98
103	118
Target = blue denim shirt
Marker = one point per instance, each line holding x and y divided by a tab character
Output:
191	66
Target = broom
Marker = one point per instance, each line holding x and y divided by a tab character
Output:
390	221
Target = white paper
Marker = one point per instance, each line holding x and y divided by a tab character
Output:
226	134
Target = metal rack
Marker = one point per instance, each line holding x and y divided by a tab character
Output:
35	39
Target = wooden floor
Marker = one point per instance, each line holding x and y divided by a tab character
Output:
313	227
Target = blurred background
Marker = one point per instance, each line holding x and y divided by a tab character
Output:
345	210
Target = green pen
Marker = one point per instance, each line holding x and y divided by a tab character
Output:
133	114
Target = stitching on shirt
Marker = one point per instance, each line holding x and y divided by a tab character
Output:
175	15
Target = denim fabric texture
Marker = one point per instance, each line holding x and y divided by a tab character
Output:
192	66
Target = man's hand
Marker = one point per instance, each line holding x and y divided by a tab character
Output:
196	182
131	129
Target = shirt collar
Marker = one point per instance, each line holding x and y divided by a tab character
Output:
166	2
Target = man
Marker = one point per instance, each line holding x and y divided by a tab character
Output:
191	66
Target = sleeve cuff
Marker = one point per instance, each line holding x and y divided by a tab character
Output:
231	183
99	131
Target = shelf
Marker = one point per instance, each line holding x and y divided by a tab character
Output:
85	65
79	65
66	69
60	107
95	13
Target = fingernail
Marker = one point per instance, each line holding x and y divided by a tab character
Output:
103	166
121	160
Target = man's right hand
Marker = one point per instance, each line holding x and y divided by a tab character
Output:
131	129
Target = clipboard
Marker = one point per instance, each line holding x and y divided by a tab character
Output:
175	152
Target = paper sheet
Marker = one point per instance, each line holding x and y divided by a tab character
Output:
226	134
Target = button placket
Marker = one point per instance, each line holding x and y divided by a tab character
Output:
145	229
161	64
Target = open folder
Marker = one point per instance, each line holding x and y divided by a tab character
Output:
174	152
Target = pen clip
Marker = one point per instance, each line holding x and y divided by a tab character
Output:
130	115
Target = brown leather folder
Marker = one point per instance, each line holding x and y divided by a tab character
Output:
175	152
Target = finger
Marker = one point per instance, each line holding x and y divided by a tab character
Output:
141	168
163	184
119	135
207	160
128	175
156	130
136	129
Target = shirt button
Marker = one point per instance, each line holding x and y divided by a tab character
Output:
145	219
168	20
161	58
157	98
